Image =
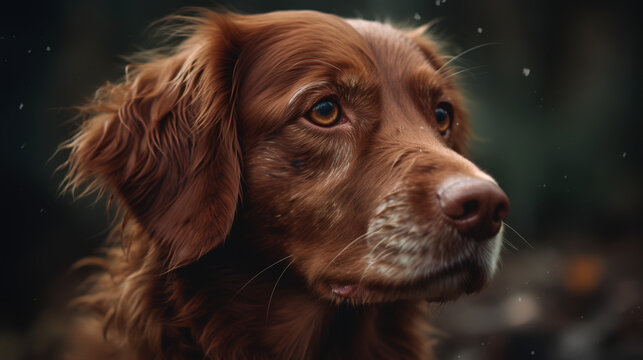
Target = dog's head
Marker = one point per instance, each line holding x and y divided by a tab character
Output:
337	143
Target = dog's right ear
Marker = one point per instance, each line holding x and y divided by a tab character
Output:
164	142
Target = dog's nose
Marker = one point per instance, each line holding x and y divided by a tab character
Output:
475	207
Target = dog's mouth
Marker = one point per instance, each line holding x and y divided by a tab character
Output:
445	284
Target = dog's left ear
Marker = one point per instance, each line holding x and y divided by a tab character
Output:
164	143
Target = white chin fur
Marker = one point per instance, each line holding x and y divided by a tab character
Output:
400	249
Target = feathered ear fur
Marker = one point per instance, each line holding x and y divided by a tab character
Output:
164	142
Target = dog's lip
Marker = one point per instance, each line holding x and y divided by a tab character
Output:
344	289
446	284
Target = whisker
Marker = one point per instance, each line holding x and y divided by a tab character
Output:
371	263
259	273
275	287
378	244
454	74
464	53
517	233
370	253
344	249
505	241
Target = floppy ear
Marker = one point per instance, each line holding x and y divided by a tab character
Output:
164	142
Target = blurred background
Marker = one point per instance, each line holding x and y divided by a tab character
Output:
555	104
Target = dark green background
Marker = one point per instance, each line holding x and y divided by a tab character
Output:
564	142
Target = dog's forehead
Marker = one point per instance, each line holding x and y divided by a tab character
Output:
291	49
395	51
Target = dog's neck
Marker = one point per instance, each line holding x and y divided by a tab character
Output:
221	310
322	330
277	316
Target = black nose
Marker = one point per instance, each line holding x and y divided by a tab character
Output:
475	207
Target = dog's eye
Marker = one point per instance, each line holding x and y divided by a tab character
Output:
324	113
443	116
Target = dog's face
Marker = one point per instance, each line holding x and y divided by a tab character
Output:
341	138
350	131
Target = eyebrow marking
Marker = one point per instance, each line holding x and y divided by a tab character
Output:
305	88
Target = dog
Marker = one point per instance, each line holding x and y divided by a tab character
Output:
292	185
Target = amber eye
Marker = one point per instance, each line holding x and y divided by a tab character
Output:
443	116
324	113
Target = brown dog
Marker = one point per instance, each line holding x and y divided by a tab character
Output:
292	186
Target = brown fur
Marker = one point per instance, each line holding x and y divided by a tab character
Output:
240	215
